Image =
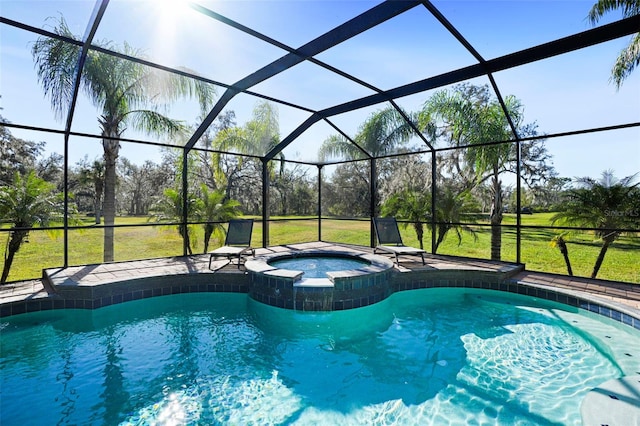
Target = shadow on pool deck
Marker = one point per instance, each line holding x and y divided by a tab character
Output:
621	296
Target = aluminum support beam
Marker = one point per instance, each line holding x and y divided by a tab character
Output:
349	29
92	27
547	50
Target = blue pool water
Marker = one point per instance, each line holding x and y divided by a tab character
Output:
436	356
318	266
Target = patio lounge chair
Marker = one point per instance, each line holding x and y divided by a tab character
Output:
390	241
237	242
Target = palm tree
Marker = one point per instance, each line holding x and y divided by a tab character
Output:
450	208
380	134
470	117
629	57
214	209
126	93
93	174
607	205
263	130
415	207
30	201
412	206
170	208
561	243
256	137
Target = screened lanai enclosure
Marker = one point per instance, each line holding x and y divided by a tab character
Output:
491	129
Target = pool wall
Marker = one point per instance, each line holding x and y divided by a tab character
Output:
73	296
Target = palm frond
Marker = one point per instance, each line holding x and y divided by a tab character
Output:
169	87
602	7
30	201
55	62
154	123
628	59
234	138
336	146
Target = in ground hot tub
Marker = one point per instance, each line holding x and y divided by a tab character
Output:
325	280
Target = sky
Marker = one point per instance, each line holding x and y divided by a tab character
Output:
561	94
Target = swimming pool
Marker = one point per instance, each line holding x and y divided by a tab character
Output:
433	356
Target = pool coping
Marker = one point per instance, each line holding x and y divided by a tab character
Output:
260	265
95	286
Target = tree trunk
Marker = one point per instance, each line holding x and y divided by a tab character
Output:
562	245
139	205
419	233
14	246
603	250
208	230
97	209
7	266
496	241
565	254
496	218
111	151
184	232
137	201
97	199
442	230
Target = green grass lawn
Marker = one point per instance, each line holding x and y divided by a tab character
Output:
620	262
144	242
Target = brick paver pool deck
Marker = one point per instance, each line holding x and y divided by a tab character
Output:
623	296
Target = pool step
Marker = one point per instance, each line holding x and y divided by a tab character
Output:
614	403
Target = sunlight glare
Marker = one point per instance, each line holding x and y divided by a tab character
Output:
171	13
172	16
171	8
